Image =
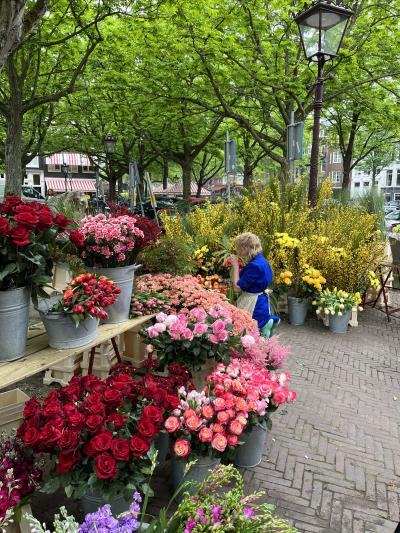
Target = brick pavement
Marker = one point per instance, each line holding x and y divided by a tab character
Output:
332	462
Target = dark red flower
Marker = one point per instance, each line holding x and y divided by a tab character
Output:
4	226
77	238
153	413
30	437
67	460
88	449
76	421
53	409
61	221
106	466
49	435
69	440
120	449
32	407
26	218
117	420
113	397
95	423
146	429
138	446
9	205
102	441
19	236
46	219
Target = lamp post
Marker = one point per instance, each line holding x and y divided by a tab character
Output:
65	171
322	26
109	147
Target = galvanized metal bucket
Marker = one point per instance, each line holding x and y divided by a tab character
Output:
91	502
297	310
62	332
14	319
338	324
198	472
123	277
249	454
162	444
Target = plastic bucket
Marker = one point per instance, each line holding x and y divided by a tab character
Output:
14	319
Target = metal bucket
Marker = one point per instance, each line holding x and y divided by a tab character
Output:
123	277
91	503
198	472
249	454
14	319
338	324
161	443
297	310
62	332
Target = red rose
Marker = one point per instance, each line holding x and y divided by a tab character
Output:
72	392
153	413
31	436
94	423
70	409
113	397
69	440
106	466
4	226
67	460
53	409
102	441
120	449
19	236
172	402
138	446
122	383
45	219
90	381
9	204
146	428
96	409
88	449
76	421
49	435
77	238
26	219
58	422
117	420
32	407
61	221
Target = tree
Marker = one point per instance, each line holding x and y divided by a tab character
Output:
17	23
206	167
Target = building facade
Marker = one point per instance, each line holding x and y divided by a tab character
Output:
388	181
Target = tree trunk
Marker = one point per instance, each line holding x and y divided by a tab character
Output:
13	151
247	174
187	178
112	187
346	176
165	174
348	156
11	26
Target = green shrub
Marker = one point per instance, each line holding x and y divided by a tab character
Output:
170	256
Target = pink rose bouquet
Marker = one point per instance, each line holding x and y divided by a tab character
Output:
258	392
204	424
190	339
107	241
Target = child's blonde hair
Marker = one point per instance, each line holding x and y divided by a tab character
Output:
248	245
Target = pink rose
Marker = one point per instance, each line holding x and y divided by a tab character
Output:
152	332
207	412
235	427
222	417
291	396
172	424
284	377
171	319
232	440
247	341
188	334
193	423
161	317
219	442
181	448
219	404
160	327
280	395
198	313
200	329
205	435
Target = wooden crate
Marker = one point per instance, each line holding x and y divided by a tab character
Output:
63	372
135	348
11	407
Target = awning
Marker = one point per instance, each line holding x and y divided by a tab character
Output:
75	184
177	190
68	158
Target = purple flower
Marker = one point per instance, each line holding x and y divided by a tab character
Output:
248	512
201	515
190	526
216	512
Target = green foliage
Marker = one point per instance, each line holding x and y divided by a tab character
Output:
170	255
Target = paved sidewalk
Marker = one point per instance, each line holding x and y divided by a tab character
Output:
332	462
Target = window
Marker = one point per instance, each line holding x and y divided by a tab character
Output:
336	176
73	168
357	184
388	197
36	179
87	168
54	168
366	183
398	177
397	196
389	178
336	157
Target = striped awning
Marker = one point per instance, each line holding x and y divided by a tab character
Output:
75	184
68	158
177	190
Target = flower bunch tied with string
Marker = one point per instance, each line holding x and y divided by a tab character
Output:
192	338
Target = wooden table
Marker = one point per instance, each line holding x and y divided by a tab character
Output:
39	356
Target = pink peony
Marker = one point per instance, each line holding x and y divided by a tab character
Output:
200	329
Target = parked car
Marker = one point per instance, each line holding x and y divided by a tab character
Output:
393	219
29	193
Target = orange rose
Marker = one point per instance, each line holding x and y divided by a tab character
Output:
182	448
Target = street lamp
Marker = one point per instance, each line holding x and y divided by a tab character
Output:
65	171
322	26
109	147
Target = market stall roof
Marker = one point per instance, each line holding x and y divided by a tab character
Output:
70	158
75	184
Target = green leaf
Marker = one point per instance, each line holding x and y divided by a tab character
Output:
51	485
10	268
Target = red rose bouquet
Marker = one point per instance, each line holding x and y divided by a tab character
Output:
205	423
106	241
20	474
99	435
28	232
87	296
258	392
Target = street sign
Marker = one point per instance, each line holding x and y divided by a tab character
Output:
295	134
